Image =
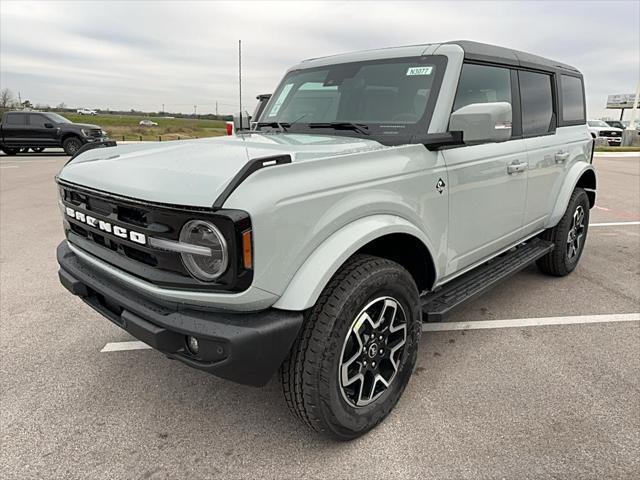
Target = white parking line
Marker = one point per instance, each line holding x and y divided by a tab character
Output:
613	224
122	346
9	166
449	326
617	154
530	322
49	160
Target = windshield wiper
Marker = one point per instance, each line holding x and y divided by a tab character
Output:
282	126
356	127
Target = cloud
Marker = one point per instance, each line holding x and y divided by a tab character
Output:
141	54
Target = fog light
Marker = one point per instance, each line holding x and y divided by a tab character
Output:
192	345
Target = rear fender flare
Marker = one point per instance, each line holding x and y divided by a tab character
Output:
571	181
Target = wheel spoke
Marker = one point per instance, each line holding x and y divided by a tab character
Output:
391	306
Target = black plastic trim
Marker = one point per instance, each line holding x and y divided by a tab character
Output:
249	168
154	265
92	145
438	304
246	348
437	141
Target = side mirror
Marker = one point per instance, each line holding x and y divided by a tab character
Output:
483	122
48	125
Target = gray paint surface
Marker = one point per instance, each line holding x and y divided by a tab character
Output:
340	193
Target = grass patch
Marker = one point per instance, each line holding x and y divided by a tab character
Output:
617	149
126	127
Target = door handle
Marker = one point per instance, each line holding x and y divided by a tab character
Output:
562	157
516	167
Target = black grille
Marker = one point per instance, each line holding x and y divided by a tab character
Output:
609	133
95	132
152	220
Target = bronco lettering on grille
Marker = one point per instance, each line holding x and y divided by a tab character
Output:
106	226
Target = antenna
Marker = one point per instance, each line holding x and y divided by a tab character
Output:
240	78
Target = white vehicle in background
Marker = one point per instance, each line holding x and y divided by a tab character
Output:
601	129
147	123
86	111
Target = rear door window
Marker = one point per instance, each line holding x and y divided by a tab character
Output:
16	119
36	120
536	98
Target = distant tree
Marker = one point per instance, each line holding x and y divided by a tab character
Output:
61	106
27	104
6	98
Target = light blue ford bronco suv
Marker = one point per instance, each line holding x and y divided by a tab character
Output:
377	190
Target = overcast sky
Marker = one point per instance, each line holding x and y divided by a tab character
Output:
121	55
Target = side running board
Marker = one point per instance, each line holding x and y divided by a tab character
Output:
438	304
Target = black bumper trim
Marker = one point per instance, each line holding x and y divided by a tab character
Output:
246	348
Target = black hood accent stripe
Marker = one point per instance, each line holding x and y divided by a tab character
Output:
91	146
250	167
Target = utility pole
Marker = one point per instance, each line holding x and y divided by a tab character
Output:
195	108
631	132
240	78
19	99
216	109
163	108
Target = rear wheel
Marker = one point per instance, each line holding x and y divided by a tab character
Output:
569	237
357	349
71	145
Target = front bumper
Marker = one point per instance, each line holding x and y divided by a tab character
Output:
246	348
613	141
96	139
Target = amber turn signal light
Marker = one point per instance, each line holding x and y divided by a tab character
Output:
247	250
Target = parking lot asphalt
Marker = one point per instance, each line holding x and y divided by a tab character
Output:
557	401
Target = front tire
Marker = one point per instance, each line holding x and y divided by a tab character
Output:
71	145
10	151
356	351
569	237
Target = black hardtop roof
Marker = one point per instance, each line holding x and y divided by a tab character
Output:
485	52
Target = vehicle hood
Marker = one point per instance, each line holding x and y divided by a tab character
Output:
195	172
78	125
608	129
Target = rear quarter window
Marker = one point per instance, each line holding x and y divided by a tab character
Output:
572	99
15	119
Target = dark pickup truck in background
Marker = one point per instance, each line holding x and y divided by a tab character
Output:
20	131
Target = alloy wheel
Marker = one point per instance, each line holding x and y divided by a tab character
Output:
576	233
372	351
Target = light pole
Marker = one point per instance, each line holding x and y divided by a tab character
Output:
240	78
631	132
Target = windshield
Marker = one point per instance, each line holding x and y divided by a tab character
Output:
391	97
597	123
55	118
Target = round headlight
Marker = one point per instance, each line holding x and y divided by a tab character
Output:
204	234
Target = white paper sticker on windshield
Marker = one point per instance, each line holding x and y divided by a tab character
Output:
419	70
280	100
